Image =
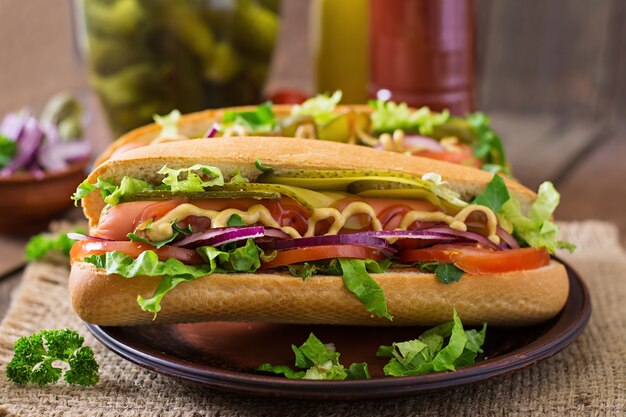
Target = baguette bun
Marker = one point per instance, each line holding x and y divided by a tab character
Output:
413	298
230	154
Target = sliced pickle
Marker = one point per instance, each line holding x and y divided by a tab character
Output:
335	180
290	125
382	188
457	127
414	194
337	130
322	173
205	195
308	198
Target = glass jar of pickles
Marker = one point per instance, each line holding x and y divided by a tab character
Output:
149	57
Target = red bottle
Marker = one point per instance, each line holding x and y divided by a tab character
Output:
422	53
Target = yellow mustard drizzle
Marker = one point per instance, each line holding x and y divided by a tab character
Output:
162	229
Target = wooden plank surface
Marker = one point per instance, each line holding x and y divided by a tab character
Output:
545	56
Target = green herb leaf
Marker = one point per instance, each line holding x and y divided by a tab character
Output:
235	220
304	271
261	167
34	357
178	231
358	281
40	245
8	149
494	195
358	371
489	147
448	273
260	120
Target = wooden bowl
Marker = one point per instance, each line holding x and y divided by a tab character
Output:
27	203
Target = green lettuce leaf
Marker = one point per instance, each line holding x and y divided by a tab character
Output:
438	187
489	146
168	123
318	361
40	245
357	280
209	177
494	195
537	228
446	273
259	120
148	264
320	107
389	116
441	348
8	149
128	186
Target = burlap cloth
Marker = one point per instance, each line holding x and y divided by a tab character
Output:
587	378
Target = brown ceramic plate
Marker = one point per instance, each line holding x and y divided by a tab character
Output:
224	355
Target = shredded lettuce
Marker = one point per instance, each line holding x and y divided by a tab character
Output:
173	271
320	107
442	348
210	176
536	229
438	187
357	280
168	123
148	264
318	361
259	120
389	116
128	186
39	245
185	180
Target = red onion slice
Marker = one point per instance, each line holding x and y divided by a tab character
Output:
27	145
361	239
416	141
273	232
215	128
80	236
13	124
507	238
56	156
468	235
221	236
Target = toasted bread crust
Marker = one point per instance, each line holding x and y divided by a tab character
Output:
413	298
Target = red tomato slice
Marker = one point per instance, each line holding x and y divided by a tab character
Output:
478	260
314	253
83	248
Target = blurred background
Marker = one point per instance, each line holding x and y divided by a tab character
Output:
551	75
